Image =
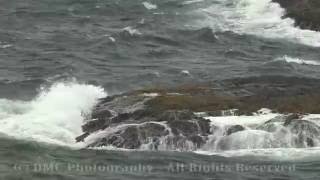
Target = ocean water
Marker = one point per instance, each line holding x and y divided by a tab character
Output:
58	57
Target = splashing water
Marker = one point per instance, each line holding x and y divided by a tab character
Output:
55	116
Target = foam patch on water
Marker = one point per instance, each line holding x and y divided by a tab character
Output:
191	2
55	116
149	5
257	17
132	31
289	59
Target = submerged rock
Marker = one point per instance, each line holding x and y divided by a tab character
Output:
307	132
234	129
291	118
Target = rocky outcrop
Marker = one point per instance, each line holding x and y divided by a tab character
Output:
132	124
306	13
172	118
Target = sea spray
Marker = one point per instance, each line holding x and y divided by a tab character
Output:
55	116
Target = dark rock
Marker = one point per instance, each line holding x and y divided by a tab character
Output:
273	124
155	144
286	119
152	130
310	142
185	128
130	138
304	125
101	114
290	118
107	99
82	137
204	126
141	114
230	112
173	115
133	136
127	138
198	141
306	132
121	118
94	125
302	141
234	129
214	113
269	127
305	12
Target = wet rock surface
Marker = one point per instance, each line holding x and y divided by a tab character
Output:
304	133
307	133
234	129
173	118
138	124
305	12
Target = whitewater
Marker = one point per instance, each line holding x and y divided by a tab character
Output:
262	18
55	116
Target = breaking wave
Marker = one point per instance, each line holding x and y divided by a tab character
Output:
54	116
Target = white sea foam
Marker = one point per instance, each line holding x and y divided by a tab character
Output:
55	116
132	31
242	120
289	59
6	46
256	17
185	72
149	5
150	94
112	39
191	2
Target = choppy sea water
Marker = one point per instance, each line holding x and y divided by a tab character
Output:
27	160
58	57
